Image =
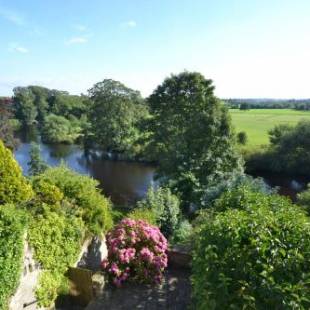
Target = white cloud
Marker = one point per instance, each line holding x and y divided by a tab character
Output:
15	47
76	40
80	27
12	16
129	24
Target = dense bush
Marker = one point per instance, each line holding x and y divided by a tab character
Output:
253	252
136	252
84	196
242	138
165	206
12	230
233	181
288	152
56	240
144	214
13	186
303	199
183	233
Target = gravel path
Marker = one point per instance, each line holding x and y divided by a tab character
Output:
173	294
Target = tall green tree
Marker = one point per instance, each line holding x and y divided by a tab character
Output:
115	114
26	110
191	135
6	126
36	164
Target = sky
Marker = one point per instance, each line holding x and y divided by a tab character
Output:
249	48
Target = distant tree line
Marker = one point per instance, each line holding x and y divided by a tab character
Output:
245	104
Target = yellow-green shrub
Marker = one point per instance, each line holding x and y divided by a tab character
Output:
14	187
83	195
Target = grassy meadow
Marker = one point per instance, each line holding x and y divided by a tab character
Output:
257	122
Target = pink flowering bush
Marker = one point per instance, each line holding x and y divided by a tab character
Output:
136	252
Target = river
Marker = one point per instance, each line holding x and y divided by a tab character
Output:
124	182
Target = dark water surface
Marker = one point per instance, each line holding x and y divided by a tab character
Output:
124	182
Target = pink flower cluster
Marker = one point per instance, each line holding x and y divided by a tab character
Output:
137	251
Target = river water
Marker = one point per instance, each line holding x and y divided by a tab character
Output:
124	182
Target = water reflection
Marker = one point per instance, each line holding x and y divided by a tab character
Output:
124	182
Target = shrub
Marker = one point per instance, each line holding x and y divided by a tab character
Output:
244	198
303	199
12	229
183	233
252	256
13	186
46	192
56	240
82	192
165	206
136	252
143	214
242	138
235	180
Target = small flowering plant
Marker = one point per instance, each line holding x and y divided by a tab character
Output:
137	251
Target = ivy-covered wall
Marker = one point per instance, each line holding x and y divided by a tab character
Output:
12	232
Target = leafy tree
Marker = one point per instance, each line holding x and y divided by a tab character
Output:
58	129
41	95
26	110
68	105
115	114
36	164
290	148
244	106
14	188
242	138
6	126
190	135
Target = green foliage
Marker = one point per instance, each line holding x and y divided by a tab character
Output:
56	240
48	288
12	230
303	199
83	194
13	186
46	192
242	138
36	164
253	252
68	105
183	233
147	215
245	198
165	206
26	110
58	129
290	148
190	135
233	181
115	114
7	126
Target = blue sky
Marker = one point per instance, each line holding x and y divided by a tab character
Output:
249	48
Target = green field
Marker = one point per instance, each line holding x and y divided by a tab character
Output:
257	122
